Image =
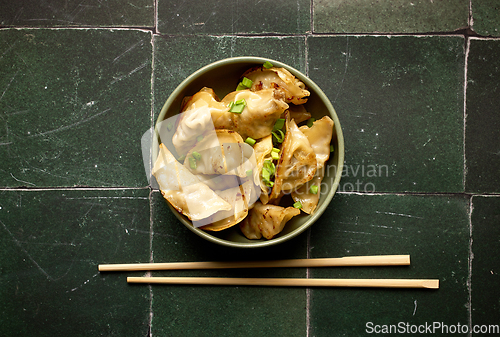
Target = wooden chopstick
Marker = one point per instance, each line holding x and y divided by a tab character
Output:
349	261
291	282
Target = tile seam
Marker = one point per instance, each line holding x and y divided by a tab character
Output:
471	258
466	62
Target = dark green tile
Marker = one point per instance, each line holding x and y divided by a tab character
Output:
233	17
486	261
486	17
433	230
177	57
400	101
482	148
220	311
52	13
77	119
51	244
389	16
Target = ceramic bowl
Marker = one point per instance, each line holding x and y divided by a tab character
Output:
223	76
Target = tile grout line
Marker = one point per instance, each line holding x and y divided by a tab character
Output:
471	258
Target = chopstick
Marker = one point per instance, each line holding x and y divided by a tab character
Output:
349	261
292	282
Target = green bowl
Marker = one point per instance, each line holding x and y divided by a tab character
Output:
223	77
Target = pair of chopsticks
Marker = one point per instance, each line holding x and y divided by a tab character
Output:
351	261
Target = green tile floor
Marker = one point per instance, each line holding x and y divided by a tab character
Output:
416	86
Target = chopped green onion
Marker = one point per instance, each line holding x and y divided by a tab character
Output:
269	165
331	148
275	150
310	121
297	205
247	82
275	155
279	138
279	124
238	106
267	65
249	173
241	87
269	183
181	158
196	155
192	163
314	189
266	174
250	141
170	126
199	138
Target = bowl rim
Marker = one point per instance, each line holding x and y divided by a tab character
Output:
340	143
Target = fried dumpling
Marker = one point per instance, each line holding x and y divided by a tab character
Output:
184	190
297	162
242	198
298	113
262	150
223	153
319	136
281	79
195	119
266	220
262	110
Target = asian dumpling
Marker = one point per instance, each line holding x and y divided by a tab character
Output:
223	153
195	119
319	136
298	113
185	192
297	162
266	220
280	79
262	110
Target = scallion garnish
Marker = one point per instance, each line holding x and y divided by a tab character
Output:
196	155
267	65
245	83
314	189
249	173
199	138
275	155
192	163
250	141
238	106
310	122
331	148
297	205
279	124
181	158
279	136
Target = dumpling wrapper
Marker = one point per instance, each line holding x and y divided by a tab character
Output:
185	192
319	136
266	220
298	113
263	108
297	163
222	153
280	79
262	149
195	119
242	198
